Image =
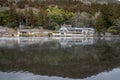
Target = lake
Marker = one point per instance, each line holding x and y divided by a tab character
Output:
35	58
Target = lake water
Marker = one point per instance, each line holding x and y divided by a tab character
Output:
59	58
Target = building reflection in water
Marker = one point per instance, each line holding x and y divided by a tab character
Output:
68	42
64	41
21	41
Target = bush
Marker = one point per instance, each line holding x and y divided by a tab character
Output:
49	34
114	29
12	24
53	26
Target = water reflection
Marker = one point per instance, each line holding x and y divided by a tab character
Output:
111	75
21	41
27	76
74	58
64	41
68	42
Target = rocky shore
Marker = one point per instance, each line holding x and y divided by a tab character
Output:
7	32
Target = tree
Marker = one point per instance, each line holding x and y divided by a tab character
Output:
39	19
32	21
57	17
115	29
13	18
30	18
106	13
81	19
100	24
4	17
44	19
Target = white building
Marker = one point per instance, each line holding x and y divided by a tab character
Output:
75	32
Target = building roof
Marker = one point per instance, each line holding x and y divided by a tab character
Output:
29	30
75	28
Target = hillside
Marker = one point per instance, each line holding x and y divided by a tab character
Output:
50	14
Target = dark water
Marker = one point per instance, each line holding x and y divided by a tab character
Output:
59	59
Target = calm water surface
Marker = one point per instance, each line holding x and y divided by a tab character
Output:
59	59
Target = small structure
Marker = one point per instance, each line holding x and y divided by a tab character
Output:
28	32
75	32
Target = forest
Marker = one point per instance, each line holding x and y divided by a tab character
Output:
51	14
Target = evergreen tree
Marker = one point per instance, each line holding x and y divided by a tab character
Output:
100	24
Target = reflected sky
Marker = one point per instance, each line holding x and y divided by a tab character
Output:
111	75
27	76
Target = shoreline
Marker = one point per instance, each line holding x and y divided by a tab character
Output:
16	37
13	33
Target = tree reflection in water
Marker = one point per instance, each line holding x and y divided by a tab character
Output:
49	57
